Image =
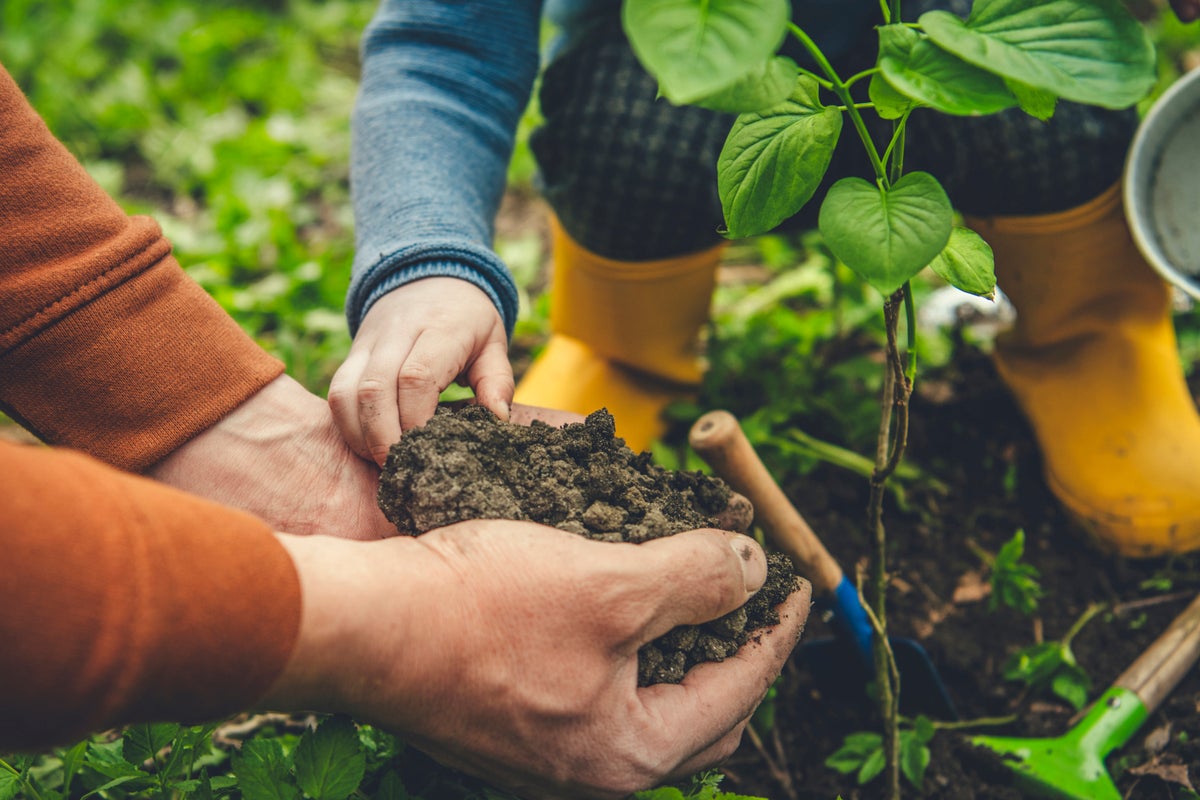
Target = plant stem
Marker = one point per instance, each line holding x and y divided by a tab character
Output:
910	320
853	79
889	449
978	722
843	94
897	145
1084	619
820	81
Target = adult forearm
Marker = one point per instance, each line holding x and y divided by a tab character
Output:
443	88
129	601
105	344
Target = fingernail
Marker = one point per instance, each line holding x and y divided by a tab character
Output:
505	411
752	560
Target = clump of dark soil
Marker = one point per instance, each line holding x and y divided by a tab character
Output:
467	464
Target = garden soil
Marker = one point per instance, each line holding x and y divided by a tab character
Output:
466	464
967	431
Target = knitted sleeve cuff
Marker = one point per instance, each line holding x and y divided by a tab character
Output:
476	265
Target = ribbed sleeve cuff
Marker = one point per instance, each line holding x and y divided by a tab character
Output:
475	265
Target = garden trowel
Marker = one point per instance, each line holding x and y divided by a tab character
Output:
1072	765
842	666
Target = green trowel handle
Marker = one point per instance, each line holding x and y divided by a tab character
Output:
1158	670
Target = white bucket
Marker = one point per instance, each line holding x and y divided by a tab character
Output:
1162	184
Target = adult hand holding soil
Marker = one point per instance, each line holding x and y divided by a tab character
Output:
413	343
280	457
509	650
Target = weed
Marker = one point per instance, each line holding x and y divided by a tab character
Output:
1051	666
1014	584
862	753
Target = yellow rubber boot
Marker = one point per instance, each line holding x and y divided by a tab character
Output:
1093	363
625	336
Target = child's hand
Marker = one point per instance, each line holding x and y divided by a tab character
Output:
413	343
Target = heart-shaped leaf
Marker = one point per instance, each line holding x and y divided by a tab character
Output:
887	236
966	263
917	68
773	160
764	87
1089	51
696	47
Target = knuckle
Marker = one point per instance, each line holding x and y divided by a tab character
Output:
341	397
416	375
370	391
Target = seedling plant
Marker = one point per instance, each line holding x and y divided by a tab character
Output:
722	55
1014	583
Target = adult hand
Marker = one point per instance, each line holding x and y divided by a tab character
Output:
413	343
1186	10
279	456
509	650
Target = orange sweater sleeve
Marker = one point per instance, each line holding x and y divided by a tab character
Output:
124	600
105	344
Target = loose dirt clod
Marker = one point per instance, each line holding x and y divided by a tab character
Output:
467	464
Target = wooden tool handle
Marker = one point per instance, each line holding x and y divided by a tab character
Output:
719	440
1160	668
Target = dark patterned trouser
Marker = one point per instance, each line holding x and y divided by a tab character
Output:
632	177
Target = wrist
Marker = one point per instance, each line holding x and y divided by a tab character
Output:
278	413
280	456
358	604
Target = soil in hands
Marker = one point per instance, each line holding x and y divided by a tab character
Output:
466	464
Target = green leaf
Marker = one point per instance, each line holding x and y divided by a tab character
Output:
763	87
773	160
1012	550
1071	684
914	759
330	761
661	793
871	767
923	729
10	784
887	236
966	263
1089	51
392	788
916	68
205	790
72	760
108	759
1034	665
1037	103
854	752
696	47
141	781
263	771
142	742
889	104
